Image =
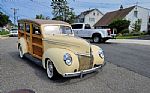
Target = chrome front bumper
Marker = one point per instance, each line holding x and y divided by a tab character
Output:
81	73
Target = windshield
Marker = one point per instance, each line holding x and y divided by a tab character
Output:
48	30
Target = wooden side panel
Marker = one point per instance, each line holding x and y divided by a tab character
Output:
34	41
37	40
37	50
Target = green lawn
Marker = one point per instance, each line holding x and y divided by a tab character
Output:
4	32
128	37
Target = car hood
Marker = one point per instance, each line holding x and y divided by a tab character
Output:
74	44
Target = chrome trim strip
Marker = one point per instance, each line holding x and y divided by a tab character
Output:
80	73
83	54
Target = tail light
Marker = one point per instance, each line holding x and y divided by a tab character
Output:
109	32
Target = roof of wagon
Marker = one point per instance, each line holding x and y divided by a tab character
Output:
41	21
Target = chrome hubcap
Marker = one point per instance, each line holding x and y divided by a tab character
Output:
20	52
96	39
49	69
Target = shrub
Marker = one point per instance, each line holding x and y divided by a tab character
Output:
124	31
136	33
120	25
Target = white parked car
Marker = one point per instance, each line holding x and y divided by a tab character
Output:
85	31
13	32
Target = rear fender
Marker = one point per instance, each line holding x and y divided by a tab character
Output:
22	42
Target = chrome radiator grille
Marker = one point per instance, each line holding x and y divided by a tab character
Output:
85	62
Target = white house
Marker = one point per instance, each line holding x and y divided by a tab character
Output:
131	13
89	16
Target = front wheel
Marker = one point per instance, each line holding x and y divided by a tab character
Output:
51	70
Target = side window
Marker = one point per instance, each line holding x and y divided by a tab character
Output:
77	26
36	30
28	28
87	26
21	26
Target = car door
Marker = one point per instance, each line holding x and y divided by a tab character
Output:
87	31
37	44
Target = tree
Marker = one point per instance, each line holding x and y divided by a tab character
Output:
136	26
61	11
120	25
40	16
4	19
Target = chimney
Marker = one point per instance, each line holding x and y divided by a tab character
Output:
121	7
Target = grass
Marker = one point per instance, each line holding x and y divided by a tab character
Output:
128	37
3	32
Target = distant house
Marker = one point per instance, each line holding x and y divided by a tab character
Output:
89	16
131	13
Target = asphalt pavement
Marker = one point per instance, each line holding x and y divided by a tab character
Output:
131	54
19	73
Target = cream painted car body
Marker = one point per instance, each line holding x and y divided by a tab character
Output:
54	47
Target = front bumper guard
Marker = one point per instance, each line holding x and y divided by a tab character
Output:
81	73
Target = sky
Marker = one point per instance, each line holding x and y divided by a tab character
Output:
30	8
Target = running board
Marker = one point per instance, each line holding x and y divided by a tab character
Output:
33	59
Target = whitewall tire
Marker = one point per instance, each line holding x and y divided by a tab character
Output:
20	52
51	70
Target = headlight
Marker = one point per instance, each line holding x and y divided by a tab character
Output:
68	59
101	53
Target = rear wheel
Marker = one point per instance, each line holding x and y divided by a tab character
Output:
20	52
51	70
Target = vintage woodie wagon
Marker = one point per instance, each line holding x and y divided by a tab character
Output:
52	45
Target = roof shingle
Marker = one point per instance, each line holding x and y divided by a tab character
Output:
110	16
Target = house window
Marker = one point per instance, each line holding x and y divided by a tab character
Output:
97	14
91	19
135	13
81	20
94	13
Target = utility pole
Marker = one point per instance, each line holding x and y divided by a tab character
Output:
14	11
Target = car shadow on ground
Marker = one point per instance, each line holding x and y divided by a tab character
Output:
40	72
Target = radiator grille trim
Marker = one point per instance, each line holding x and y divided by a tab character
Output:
85	62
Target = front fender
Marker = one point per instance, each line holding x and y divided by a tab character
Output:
97	58
56	56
